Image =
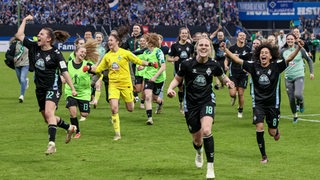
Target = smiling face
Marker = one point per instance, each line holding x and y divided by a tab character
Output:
204	48
87	35
44	38
290	40
136	30
81	53
143	43
241	37
265	57
256	43
184	34
113	43
99	37
271	39
296	32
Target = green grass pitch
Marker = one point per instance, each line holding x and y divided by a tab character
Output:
162	151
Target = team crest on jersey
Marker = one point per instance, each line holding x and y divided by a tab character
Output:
187	49
119	58
269	72
48	58
194	70
264	80
40	64
208	71
200	81
115	66
184	55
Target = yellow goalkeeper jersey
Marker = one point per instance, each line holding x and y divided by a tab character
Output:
118	65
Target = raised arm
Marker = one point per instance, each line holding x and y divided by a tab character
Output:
233	57
20	34
295	52
214	34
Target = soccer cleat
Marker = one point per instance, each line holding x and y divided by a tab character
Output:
264	160
51	148
83	118
199	159
233	101
301	107
149	121
117	136
142	106
71	130
240	115
210	171
159	108
277	136
136	99
295	120
77	136
181	108
21	98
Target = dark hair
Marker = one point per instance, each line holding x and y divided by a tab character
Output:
58	35
116	37
286	44
123	31
274	51
77	40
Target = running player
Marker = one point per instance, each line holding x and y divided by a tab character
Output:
120	84
179	52
198	75
265	72
49	63
237	74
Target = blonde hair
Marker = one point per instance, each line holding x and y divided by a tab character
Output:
212	53
92	53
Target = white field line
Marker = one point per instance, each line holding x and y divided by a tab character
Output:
302	119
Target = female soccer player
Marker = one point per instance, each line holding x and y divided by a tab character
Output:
139	72
154	77
265	73
198	75
294	75
120	84
49	63
179	52
82	83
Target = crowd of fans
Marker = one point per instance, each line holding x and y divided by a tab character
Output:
94	12
129	12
